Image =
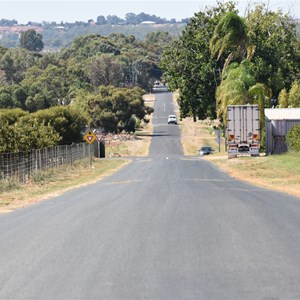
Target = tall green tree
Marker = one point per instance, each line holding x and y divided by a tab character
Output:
229	39
31	40
277	48
240	88
294	94
188	66
113	108
106	70
15	63
283	98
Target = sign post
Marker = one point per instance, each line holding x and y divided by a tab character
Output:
219	134
99	139
90	138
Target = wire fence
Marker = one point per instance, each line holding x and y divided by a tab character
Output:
22	165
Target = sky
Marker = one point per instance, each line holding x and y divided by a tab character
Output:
70	11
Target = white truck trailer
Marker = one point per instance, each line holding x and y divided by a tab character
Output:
243	130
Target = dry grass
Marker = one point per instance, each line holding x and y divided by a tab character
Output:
135	144
57	182
197	134
267	171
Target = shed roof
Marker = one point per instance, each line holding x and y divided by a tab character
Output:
282	113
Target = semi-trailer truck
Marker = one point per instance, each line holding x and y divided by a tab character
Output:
243	130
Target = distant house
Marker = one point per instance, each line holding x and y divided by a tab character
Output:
278	122
19	29
148	23
59	28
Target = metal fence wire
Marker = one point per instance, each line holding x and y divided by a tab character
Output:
22	165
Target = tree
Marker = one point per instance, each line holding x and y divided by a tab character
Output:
114	20
30	134
283	98
19	97
229	38
189	67
65	120
113	108
277	56
19	131
294	94
105	70
11	116
293	138
131	18
240	88
31	40
6	100
101	20
15	63
45	88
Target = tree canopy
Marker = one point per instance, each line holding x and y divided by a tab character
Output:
31	40
222	58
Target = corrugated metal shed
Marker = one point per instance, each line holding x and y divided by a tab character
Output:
278	122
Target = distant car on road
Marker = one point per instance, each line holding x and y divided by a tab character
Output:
205	150
172	119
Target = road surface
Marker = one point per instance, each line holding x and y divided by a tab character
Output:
164	227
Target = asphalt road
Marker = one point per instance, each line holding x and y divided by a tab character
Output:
164	227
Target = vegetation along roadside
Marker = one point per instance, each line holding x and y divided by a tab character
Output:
276	172
54	182
50	183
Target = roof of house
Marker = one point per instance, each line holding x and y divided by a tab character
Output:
282	113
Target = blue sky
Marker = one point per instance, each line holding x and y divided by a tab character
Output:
70	10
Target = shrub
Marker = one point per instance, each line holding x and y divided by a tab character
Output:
293	138
8	184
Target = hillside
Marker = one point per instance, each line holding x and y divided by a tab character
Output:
58	37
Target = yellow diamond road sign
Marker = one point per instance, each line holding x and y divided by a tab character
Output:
90	137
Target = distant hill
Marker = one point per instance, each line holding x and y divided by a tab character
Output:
61	36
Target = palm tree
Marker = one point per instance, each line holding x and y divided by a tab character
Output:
239	88
230	38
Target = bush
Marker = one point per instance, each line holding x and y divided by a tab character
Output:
293	138
8	184
41	177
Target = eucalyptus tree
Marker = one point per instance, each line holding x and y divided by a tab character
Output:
45	88
65	120
105	70
19	131
31	40
189	67
114	109
276	61
31	134
15	63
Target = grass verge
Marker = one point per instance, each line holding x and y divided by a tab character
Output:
49	183
277	172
